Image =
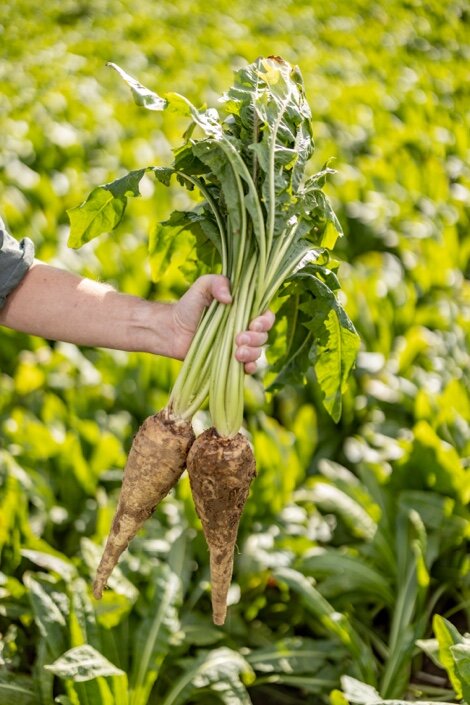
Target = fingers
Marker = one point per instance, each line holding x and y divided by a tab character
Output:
263	323
248	355
250	341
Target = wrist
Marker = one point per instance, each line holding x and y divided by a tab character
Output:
150	327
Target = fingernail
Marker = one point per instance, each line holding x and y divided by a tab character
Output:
243	339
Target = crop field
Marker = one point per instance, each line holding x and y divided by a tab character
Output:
351	580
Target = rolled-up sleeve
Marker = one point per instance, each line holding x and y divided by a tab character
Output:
15	260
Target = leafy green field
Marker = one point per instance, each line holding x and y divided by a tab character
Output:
352	581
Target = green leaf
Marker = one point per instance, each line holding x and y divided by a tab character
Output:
319	335
358	692
337	698
198	632
117	581
431	649
104	208
143	96
48	617
222	670
345	574
310	684
329	498
294	655
433	463
112	608
57	565
44	681
336	343
82	622
158	632
334	622
83	663
461	656
146	98
172	240
17	690
454	654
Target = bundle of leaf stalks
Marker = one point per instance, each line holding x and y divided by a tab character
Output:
269	228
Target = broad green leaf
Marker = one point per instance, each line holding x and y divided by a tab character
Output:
358	692
336	344
461	656
83	663
431	649
172	240
223	670
319	335
449	639
104	208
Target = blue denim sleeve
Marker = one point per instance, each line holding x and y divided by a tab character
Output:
15	260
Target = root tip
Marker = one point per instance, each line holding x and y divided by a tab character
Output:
97	590
218	617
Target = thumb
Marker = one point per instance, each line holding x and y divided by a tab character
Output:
190	307
212	286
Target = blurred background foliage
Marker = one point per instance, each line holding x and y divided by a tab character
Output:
356	533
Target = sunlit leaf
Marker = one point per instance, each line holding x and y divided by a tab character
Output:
83	663
103	210
48	617
223	670
158	631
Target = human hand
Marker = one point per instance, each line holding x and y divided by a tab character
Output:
187	312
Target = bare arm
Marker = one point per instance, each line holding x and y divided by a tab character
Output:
59	305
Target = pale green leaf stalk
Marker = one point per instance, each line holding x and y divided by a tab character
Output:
265	223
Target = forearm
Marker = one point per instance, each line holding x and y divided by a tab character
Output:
58	305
